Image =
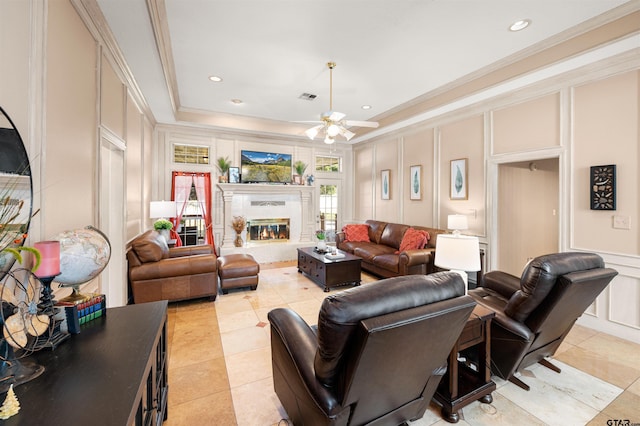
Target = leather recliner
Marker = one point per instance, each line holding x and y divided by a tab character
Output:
535	312
377	354
157	272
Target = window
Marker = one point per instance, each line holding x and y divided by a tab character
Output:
190	154
328	164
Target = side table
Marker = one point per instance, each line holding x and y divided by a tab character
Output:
467	381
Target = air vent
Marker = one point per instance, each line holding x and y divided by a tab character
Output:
308	96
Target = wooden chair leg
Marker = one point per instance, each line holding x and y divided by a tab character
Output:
549	365
519	383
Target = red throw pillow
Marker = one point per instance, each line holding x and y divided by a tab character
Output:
413	239
355	233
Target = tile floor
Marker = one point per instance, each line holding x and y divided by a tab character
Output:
220	366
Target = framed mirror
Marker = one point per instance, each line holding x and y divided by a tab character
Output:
16	191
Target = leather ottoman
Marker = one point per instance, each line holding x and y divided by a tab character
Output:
237	270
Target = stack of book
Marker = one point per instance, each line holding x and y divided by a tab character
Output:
80	312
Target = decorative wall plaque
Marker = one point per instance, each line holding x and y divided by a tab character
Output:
603	187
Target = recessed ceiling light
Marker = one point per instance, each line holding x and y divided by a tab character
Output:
520	25
366	107
236	101
215	78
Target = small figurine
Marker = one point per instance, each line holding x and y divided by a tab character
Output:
10	406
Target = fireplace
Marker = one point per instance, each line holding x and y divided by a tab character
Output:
268	230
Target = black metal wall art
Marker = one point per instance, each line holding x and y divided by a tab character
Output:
603	187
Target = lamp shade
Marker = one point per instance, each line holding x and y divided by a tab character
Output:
457	221
461	252
165	209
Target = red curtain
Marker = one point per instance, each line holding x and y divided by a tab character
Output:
181	183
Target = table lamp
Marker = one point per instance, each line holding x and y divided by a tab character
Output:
457	223
458	253
162	209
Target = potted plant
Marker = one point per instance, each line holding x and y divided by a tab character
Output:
322	245
223	166
163	226
300	167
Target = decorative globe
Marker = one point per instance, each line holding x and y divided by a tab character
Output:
84	253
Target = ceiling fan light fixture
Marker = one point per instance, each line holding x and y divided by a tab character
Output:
333	130
311	133
332	123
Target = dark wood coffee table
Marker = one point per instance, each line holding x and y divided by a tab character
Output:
468	381
329	272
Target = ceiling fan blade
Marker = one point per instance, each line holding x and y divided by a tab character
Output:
336	116
346	133
356	123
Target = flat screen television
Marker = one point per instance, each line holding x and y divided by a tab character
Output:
265	167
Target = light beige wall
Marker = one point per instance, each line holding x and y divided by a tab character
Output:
112	99
14	66
386	154
68	191
417	150
529	188
530	125
464	139
134	179
606	131
363	182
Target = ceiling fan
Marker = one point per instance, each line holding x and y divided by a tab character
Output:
332	122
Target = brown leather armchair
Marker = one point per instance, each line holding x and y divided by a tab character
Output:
157	272
377	355
535	312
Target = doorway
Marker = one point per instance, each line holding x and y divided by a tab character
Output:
328	194
528	216
113	280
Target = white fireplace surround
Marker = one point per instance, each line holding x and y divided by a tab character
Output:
259	201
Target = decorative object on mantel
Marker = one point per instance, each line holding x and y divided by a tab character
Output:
223	165
300	167
310	180
603	187
238	224
10	406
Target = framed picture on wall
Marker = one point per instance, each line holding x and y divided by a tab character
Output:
385	184
234	174
603	187
415	182
459	184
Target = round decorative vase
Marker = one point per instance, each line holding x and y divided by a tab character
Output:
322	245
238	242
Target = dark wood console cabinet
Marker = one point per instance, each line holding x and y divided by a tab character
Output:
113	373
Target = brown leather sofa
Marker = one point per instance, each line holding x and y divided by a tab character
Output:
378	254
377	354
157	272
535	312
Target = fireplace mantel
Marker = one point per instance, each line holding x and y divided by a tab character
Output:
262	188
234	192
